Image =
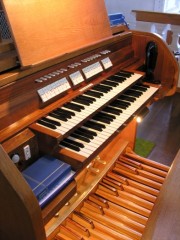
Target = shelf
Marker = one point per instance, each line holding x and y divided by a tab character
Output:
157	17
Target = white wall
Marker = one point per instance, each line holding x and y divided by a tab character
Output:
126	7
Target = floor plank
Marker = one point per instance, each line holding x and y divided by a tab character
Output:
162	126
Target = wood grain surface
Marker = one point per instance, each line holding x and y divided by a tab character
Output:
44	30
164	222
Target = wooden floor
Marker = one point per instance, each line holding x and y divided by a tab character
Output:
162	126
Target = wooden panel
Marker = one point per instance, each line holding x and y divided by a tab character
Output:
44	30
8	55
164	222
58	202
157	17
14	75
20	216
118	29
15	146
8	60
6	46
129	133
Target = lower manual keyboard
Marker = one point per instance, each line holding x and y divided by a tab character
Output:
86	143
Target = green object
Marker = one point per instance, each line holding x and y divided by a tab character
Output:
143	147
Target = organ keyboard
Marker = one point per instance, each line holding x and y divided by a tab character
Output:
112	109
107	106
86	104
100	130
81	108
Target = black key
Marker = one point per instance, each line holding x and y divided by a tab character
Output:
71	146
117	109
118	105
90	99
123	74
66	112
64	116
86	131
125	103
138	92
56	123
101	119
98	124
141	85
86	135
117	79
80	137
140	88
83	102
101	88
110	116
127	98
74	107
112	110
58	116
116	83
105	87
122	102
110	83
46	124
133	93
94	94
93	125
78	144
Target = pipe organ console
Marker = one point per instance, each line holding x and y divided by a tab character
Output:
81	108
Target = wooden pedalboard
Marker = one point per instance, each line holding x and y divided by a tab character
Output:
121	203
113	204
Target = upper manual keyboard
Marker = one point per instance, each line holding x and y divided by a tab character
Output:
68	116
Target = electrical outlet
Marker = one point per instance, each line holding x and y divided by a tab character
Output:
27	152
